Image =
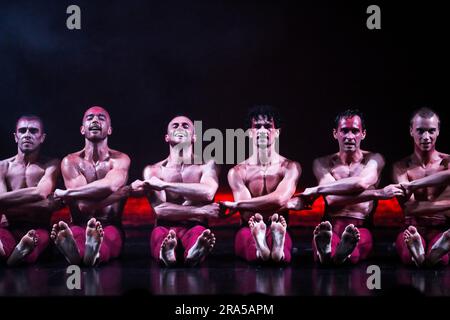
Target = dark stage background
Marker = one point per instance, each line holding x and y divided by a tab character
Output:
146	61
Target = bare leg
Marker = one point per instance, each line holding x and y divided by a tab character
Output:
349	240
203	246
414	244
94	238
23	248
322	238
64	241
278	230
439	249
258	230
167	252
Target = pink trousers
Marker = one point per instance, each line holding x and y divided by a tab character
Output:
11	238
187	236
245	246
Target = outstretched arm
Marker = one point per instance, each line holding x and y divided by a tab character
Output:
46	205
426	207
437	179
78	188
409	204
175	212
28	195
400	176
328	185
203	191
167	210
271	201
388	192
92	205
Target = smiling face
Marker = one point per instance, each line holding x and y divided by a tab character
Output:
263	131
29	134
424	131
180	130
349	133
96	124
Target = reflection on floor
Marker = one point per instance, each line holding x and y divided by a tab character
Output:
221	274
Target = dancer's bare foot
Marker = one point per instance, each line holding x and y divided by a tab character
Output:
439	249
322	238
202	247
64	241
258	229
23	248
167	251
94	239
414	243
349	240
278	229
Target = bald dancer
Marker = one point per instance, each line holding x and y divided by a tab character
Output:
95	179
262	185
347	180
26	181
425	177
180	192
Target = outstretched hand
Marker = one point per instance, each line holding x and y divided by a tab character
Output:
155	183
139	185
391	191
407	191
59	195
299	202
227	208
310	193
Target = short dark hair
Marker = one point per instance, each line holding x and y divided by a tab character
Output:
32	117
264	110
424	112
349	113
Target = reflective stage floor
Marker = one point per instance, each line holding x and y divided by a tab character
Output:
223	274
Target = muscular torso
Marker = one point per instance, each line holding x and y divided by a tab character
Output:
111	214
261	180
176	173
340	171
416	171
19	176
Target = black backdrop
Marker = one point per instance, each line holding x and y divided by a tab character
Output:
146	61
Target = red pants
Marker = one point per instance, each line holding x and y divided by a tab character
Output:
429	236
187	236
11	238
362	249
245	246
111	245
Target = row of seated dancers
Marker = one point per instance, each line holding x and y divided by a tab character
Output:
182	192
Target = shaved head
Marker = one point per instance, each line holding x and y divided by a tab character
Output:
97	110
180	119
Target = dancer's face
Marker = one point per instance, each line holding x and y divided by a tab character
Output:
29	134
425	132
180	130
349	134
264	131
96	124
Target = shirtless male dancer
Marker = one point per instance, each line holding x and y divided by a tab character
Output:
262	185
26	181
95	179
425	177
347	180
181	194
